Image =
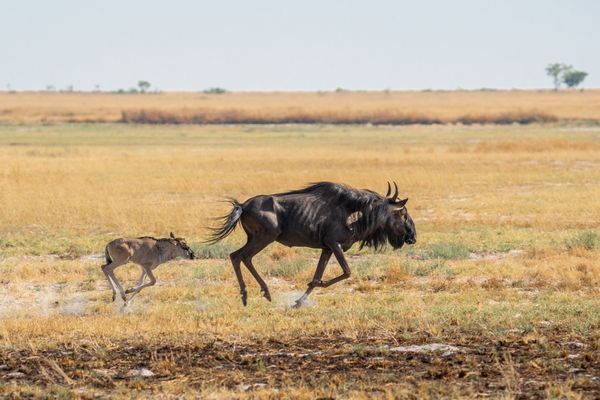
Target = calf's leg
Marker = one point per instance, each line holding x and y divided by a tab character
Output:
148	270
139	283
110	283
109	270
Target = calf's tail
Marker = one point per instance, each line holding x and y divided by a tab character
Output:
107	256
228	223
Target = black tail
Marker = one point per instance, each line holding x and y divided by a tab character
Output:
108	259
229	222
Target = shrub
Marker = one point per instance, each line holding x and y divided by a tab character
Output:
215	90
300	116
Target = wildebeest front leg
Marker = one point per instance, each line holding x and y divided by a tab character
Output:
254	246
339	255
323	260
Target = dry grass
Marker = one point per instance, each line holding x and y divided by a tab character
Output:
506	266
341	107
68	189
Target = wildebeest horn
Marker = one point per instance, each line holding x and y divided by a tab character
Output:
389	190
395	196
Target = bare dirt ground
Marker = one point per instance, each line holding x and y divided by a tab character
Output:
468	366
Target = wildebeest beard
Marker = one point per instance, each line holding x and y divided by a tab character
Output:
378	237
396	241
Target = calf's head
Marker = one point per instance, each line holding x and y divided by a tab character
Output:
181	247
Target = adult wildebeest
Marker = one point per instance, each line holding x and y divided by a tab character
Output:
324	215
147	252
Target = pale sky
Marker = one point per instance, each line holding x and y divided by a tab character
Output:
295	45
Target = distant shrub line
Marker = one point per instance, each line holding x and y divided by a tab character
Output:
348	117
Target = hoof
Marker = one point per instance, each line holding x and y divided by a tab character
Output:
299	303
266	294
114	296
245	299
129	291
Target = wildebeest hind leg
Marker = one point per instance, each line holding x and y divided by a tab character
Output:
263	286
252	248
236	261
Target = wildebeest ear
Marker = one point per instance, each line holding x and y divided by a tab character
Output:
400	203
172	236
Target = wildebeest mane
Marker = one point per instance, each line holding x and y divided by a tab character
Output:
153	238
369	229
157	239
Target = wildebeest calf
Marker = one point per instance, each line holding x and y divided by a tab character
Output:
147	252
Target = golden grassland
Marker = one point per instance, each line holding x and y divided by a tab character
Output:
506	266
383	107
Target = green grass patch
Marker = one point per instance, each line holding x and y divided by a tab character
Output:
286	268
218	250
588	240
446	251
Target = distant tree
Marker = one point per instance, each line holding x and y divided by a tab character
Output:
215	90
144	86
555	71
572	78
